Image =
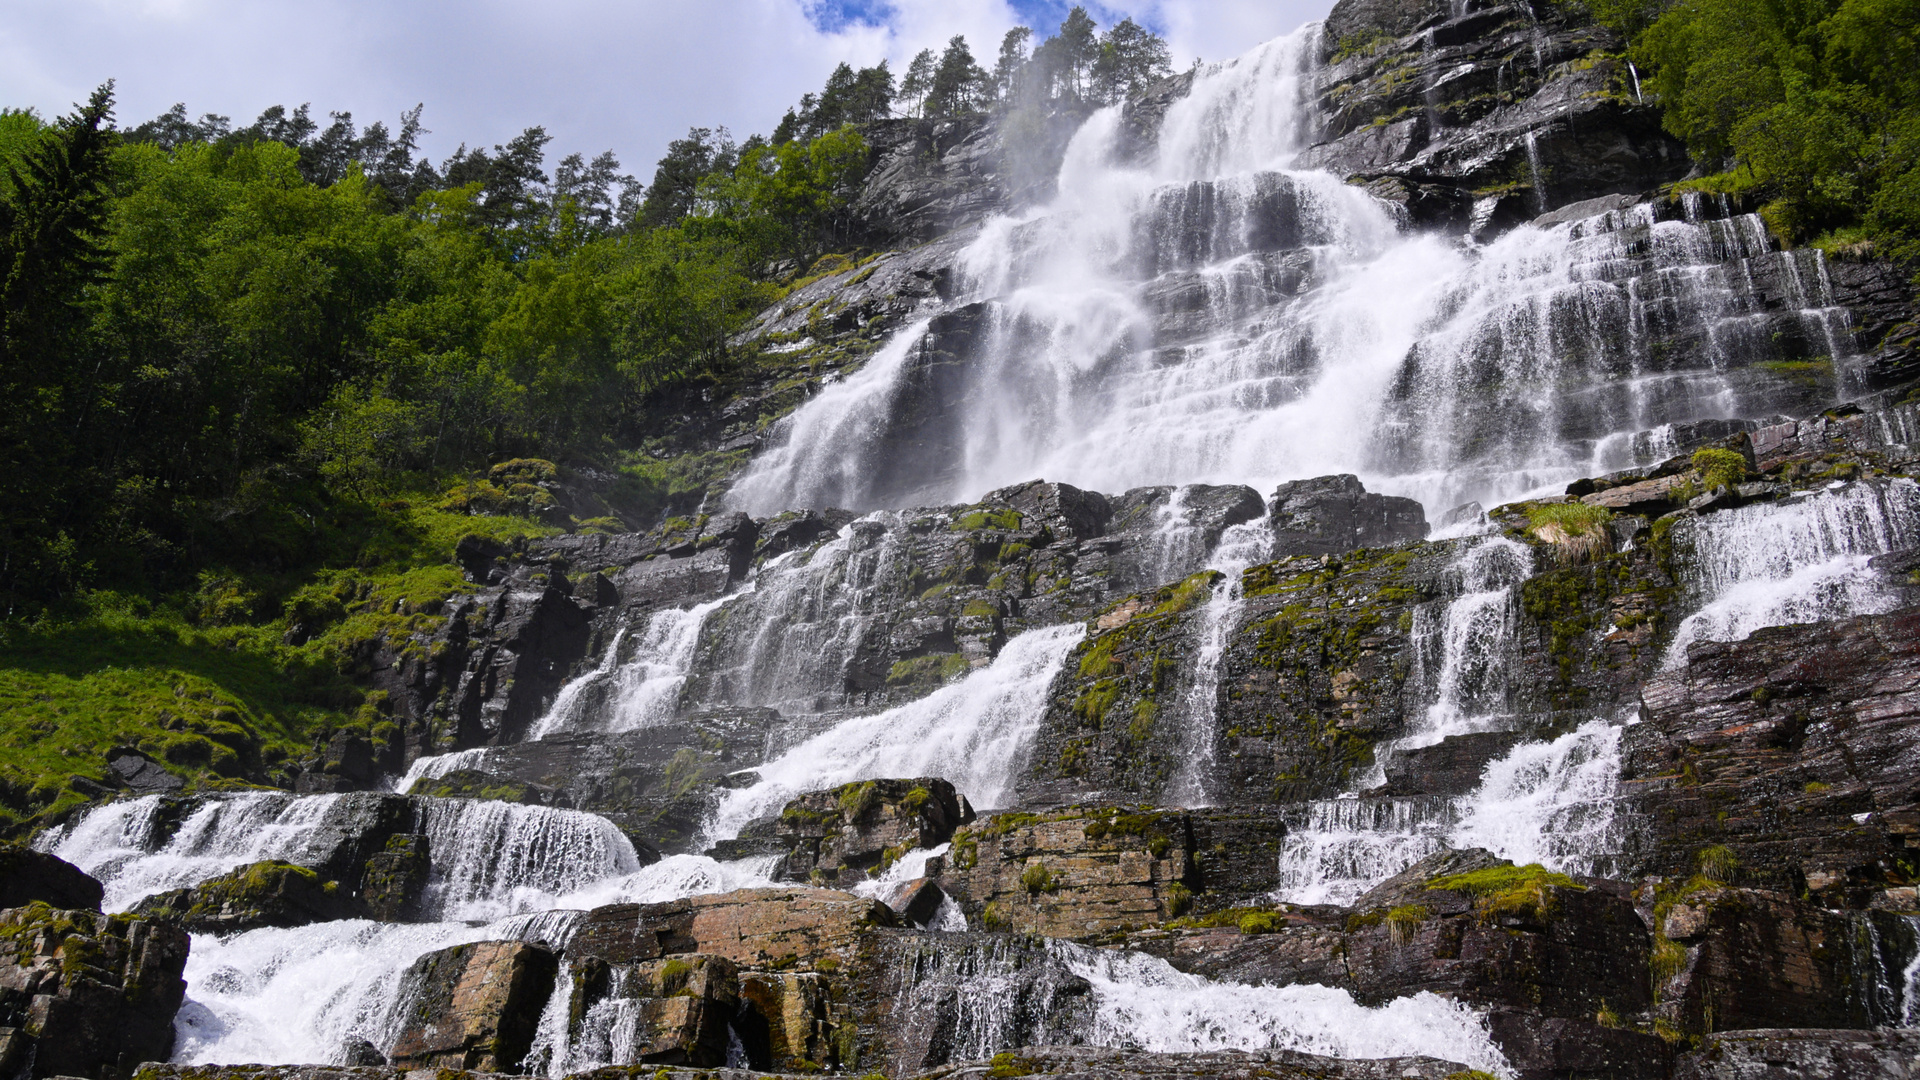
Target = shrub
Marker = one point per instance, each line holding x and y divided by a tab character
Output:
1719	468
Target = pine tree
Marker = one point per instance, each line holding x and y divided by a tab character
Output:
918	81
1013	61
958	83
1130	56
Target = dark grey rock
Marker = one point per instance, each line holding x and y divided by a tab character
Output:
1328	515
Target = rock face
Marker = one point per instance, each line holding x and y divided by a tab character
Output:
27	876
1329	515
85	994
1072	873
1798	1054
1792	750
837	837
474	1006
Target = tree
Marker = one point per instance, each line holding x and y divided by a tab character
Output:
917	83
1007	69
1075	48
958	84
677	176
1130	56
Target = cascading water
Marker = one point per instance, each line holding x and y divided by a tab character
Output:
1240	546
790	641
973	733
1796	561
124	845
1214	315
642	691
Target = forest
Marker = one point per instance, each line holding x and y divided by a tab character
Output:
250	371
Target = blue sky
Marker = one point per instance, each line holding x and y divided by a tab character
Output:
628	75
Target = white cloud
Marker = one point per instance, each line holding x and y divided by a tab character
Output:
625	74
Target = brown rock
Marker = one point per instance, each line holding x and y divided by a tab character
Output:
82	994
1072	873
474	1006
786	1020
839	835
1802	1054
755	928
676	1011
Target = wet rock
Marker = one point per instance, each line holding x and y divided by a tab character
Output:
132	769
1801	1054
1236	853
27	875
1071	873
1450	767
395	880
838	836
85	994
356	827
788	929
675	1011
479	784
1754	958
270	893
473	1006
1791	751
655	783
1095	1063
1329	515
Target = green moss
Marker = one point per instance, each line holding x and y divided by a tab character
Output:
1261	922
934	668
980	609
857	798
1174	599
1569	518
1006	1064
1179	899
1519	891
1003	520
915	799
1720	468
1036	879
1097	660
1717	863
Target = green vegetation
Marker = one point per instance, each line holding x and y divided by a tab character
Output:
1812	108
857	798
1720	468
1036	879
1508	891
1261	922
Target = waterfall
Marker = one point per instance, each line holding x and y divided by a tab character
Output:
439	765
1796	561
1550	802
1143	1003
1240	546
1336	849
1216	314
973	733
790	642
495	859
644	690
122	844
300	994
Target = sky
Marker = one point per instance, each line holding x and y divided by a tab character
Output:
625	75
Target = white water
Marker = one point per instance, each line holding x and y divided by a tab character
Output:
1215	315
495	859
117	843
1143	1003
972	732
1548	802
643	691
1240	546
1796	561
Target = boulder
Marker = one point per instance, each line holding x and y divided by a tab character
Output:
86	994
270	893
478	784
130	768
674	1011
1328	515
1071	873
473	1006
786	1020
785	929
838	836
395	879
27	875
